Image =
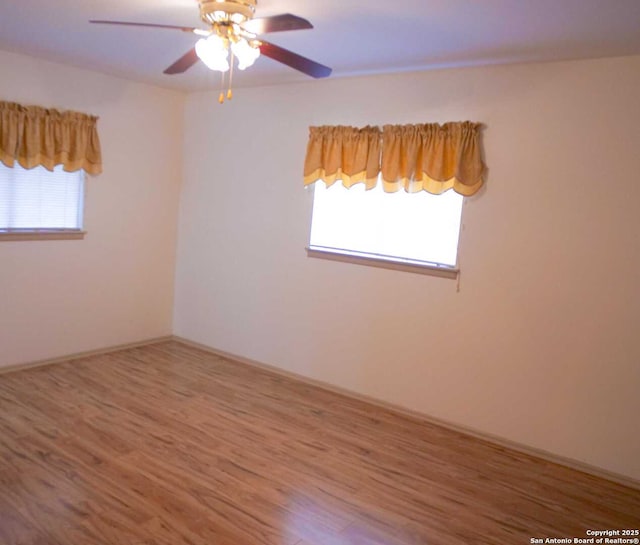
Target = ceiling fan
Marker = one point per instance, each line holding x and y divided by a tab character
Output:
233	30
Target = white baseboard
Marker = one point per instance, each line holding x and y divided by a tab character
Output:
75	356
496	440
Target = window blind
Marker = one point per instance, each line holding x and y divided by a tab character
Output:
40	199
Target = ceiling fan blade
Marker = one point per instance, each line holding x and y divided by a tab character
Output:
183	63
151	25
277	23
300	63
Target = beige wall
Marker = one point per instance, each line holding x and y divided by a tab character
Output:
116	286
541	344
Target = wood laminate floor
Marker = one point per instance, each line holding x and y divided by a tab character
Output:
170	445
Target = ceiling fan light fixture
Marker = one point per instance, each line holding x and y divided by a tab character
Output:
237	18
213	52
245	52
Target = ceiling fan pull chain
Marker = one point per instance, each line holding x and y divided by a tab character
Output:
221	97
229	91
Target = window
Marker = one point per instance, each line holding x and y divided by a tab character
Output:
40	202
414	229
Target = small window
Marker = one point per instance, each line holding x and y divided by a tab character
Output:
418	229
38	201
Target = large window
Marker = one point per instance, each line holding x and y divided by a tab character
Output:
40	200
411	228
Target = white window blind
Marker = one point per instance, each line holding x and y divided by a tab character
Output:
417	228
40	199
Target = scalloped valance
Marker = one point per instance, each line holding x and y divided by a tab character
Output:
428	157
35	136
342	153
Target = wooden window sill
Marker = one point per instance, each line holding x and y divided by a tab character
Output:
41	234
441	271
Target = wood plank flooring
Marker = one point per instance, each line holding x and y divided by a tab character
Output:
170	445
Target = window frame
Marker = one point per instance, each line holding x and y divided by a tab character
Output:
442	271
15	235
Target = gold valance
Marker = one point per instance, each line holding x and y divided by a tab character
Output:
428	157
343	153
35	136
432	158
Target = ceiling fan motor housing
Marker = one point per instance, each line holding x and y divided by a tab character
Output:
227	11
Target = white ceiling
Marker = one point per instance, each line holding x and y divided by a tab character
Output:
353	37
